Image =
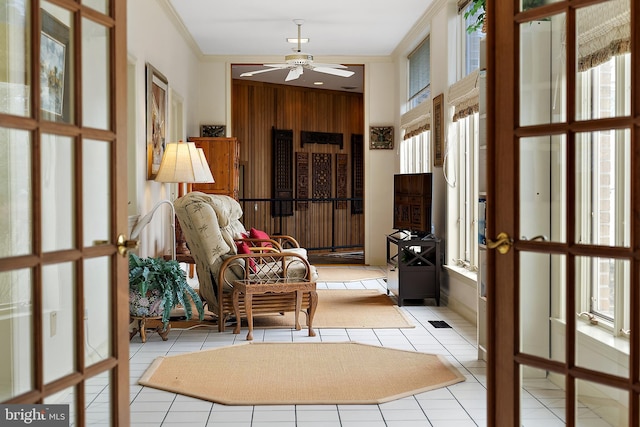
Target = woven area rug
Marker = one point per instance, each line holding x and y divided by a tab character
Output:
300	373
345	308
347	274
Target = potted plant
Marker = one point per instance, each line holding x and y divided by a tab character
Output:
156	286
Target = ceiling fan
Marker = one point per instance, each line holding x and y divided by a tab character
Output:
298	61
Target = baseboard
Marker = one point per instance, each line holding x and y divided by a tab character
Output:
460	308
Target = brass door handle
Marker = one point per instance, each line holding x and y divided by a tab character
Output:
124	245
502	243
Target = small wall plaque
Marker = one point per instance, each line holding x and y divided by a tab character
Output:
213	130
381	137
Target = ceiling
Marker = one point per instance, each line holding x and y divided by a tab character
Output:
336	28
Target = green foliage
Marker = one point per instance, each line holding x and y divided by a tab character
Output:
477	7
146	274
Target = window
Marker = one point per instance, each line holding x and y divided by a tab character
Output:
415	153
470	42
604	182
419	74
462	166
464	150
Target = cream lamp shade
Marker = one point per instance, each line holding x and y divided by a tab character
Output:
182	163
205	166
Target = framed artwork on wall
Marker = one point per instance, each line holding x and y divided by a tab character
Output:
157	109
437	129
381	137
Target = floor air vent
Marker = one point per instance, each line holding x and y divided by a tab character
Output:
439	324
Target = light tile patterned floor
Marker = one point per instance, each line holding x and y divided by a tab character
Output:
461	405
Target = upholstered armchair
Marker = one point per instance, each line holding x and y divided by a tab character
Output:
214	233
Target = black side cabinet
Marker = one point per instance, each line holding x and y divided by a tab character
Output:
414	271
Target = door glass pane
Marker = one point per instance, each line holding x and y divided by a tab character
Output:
530	4
542	313
56	64
543	188
96	200
99	5
15	54
95	75
58	320
599	405
97	309
16	333
605	90
603	188
58	180
542	398
98	400
603	45
542	71
16	231
601	284
65	397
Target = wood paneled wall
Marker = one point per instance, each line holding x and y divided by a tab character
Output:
257	108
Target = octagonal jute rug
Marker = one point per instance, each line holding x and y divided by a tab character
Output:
300	373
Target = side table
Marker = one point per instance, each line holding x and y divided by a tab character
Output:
264	286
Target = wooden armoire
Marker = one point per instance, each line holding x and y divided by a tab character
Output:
223	156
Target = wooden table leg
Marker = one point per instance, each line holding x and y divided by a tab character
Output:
298	308
143	329
163	332
313	303
236	310
248	302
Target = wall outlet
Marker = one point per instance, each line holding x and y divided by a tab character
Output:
53	323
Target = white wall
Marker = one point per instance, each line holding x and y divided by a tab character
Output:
155	36
380	109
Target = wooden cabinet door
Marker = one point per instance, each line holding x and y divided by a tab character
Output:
223	157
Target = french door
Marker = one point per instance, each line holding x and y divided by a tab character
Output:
564	188
63	284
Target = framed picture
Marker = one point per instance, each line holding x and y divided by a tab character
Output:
381	137
157	104
213	130
438	130
55	100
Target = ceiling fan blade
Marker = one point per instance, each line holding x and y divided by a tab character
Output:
318	64
294	73
334	71
251	73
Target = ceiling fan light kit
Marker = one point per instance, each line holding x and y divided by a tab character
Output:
296	62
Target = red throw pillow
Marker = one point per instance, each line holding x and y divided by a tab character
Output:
258	234
243	248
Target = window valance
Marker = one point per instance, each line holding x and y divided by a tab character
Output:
604	31
464	96
416	120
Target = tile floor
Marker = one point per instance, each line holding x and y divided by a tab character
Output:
460	405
